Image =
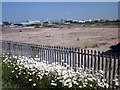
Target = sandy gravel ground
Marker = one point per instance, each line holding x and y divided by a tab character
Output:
92	38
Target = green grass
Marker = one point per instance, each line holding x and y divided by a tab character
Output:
95	45
0	72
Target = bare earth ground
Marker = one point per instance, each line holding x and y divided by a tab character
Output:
91	38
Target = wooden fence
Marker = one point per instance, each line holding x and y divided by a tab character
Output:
72	57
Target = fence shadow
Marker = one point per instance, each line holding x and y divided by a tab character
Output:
114	50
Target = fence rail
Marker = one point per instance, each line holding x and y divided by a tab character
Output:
73	57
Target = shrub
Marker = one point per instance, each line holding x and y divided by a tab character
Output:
29	73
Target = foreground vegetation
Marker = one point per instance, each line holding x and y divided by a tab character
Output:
27	73
0	72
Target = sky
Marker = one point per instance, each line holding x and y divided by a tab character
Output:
60	0
22	11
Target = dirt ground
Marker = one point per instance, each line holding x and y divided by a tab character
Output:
90	38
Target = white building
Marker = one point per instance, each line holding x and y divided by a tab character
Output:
90	20
34	22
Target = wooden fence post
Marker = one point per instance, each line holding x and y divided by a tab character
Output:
91	59
102	61
64	53
55	53
68	60
106	66
109	80
78	57
88	59
85	59
76	61
73	58
70	57
81	58
98	60
114	70
59	55
119	68
95	54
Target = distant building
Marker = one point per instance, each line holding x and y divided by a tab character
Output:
45	23
81	21
34	22
90	20
25	23
62	21
6	24
0	24
67	23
